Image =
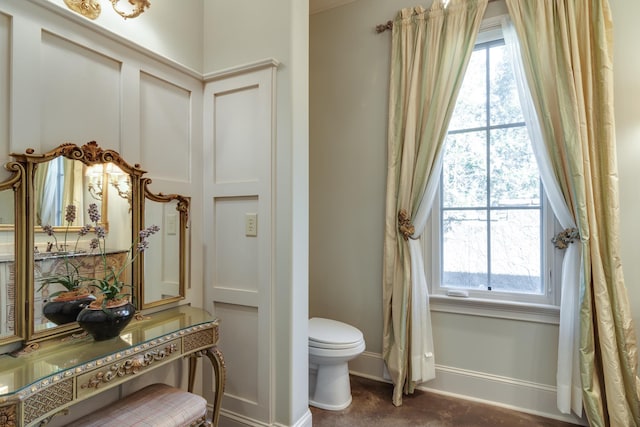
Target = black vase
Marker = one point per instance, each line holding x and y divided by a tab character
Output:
62	312
107	322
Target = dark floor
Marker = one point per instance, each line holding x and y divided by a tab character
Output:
371	407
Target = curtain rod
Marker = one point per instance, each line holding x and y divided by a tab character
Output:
381	28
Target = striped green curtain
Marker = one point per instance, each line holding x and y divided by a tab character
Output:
430	52
568	60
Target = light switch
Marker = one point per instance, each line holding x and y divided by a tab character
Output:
251	224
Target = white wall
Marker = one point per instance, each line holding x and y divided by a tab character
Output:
168	28
349	65
243	32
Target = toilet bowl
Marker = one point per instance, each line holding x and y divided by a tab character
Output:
332	345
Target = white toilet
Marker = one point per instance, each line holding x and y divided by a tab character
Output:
332	345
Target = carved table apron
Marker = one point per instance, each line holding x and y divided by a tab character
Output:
36	386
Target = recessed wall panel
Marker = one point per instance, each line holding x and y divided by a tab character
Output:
80	94
5	61
165	117
236	135
239	344
236	254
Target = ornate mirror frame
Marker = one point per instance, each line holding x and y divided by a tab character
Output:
90	154
16	293
182	208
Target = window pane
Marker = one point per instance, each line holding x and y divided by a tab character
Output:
505	105
515	180
464	170
490	193
464	249
471	105
515	251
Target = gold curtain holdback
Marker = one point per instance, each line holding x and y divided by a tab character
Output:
563	239
404	224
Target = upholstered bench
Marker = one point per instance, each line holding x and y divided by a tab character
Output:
157	405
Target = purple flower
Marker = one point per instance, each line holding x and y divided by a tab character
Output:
48	229
94	244
70	214
142	245
94	214
100	232
84	230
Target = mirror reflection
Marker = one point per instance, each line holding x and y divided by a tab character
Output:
7	267
165	264
161	260
7	206
73	203
12	201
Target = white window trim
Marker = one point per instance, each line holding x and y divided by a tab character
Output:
529	312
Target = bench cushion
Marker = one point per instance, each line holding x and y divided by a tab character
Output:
157	405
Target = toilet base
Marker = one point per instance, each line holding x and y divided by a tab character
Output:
331	389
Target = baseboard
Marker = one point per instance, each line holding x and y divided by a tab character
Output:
511	393
232	419
304	421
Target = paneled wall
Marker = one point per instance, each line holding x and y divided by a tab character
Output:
238	255
5	52
60	81
67	77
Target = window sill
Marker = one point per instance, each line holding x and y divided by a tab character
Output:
537	313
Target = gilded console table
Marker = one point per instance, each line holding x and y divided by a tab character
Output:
35	387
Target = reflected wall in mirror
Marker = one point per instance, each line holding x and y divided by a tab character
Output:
7	207
165	262
12	239
78	193
61	182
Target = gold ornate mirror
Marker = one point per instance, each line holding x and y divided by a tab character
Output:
165	262
12	205
99	185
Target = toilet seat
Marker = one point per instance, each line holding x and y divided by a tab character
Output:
327	346
331	334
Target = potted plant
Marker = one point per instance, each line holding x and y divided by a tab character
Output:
112	309
64	305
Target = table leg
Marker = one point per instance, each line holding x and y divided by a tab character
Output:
193	364
217	362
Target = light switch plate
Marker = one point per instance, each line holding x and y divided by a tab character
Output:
251	224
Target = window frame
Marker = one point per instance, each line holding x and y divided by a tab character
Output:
537	308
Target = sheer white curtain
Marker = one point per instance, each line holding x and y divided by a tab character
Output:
424	367
48	206
569	388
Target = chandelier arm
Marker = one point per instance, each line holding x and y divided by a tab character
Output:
88	8
139	7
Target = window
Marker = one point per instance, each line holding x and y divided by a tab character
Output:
491	224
